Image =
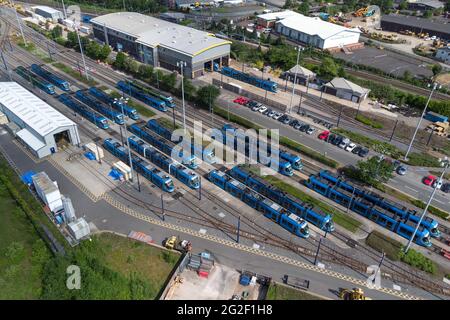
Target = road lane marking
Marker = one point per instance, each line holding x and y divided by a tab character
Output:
408	187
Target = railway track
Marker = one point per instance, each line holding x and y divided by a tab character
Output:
332	255
395	83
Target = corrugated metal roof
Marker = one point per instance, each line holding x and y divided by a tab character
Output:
301	71
155	32
47	9
30	139
314	26
433	24
44	182
278	15
37	114
342	83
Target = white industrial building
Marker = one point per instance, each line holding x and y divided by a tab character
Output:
161	43
42	128
48	191
345	89
311	31
48	13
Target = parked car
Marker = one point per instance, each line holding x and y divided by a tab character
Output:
446	187
304	128
298	125
363	152
277	115
401	170
310	130
437	184
429	180
271	113
293	122
357	150
286	120
350	147
337	140
257	107
324	135
344	142
262	109
252	104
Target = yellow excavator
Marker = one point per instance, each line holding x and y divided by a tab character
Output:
354	294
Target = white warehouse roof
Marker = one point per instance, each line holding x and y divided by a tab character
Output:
278	15
155	32
46	9
36	113
314	26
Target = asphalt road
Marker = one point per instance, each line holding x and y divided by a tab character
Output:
410	183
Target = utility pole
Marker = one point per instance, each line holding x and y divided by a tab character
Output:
300	103
181	65
162	208
81	50
339	118
20	24
200	188
295	80
393	131
435	85
123	100
318	249
359	106
445	164
64	9
238	228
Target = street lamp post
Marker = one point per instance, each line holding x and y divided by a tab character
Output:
181	65
123	100
435	85
20	24
295	80
81	51
445	164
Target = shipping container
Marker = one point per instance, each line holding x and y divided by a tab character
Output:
69	211
48	191
123	169
79	229
95	149
435	117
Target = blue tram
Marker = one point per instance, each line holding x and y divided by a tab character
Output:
399	209
96	118
174	168
116	104
271	210
94	103
306	211
150	172
141	95
381	216
163	145
156	126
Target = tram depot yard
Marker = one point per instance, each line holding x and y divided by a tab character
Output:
95	163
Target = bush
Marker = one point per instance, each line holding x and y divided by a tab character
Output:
369	122
382	243
418	260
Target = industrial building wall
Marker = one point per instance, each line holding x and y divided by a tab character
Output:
296	35
397	27
341	39
127	42
168	58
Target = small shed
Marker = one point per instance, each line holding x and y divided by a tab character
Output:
79	228
303	75
344	89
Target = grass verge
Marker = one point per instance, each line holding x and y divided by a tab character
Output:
339	217
74	74
279	291
30	47
283	140
418	203
394	251
369	122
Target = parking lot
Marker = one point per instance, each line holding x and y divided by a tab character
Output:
325	135
390	62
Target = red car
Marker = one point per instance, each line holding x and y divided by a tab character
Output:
429	180
241	100
324	135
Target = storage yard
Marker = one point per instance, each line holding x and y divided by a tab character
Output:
95	165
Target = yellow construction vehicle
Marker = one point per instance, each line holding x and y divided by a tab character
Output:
439	128
354	294
174	243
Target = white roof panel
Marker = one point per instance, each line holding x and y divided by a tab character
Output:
37	114
314	26
30	139
155	32
46	9
277	15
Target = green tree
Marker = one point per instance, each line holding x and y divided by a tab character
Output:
207	96
104	52
328	69
427	14
288	4
303	8
56	32
146	71
93	50
375	170
168	81
436	68
189	89
119	63
72	39
403	5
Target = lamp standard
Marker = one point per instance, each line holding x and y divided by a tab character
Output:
295	79
182	65
123	100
